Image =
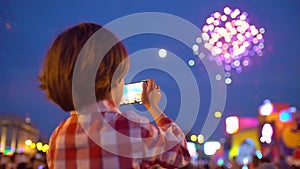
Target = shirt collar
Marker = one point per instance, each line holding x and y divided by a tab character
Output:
100	106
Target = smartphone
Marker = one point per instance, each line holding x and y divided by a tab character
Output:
132	93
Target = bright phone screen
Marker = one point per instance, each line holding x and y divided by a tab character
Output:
132	93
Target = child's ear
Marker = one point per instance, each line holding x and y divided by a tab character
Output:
116	83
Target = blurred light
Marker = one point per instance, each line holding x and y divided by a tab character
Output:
199	40
27	120
233	15
200	138
195	47
38	156
219	44
243	17
28	142
232	124
260	53
39	145
259	154
218	114
217	15
227	10
205	36
255	40
32	145
201	55
205	28
245	63
192	149
236	63
45	147
8	152
229	37
220	162
262	30
293	109
254	32
266	133
259	36
237	11
162	53
247	34
209	20
193	137
261	45
227	55
228	80
211	27
216	22
218	77
8	25
191	62
210	148
285	116
245	161
223	18
245	167
266	109
21	150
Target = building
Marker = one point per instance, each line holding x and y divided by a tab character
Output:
14	131
274	134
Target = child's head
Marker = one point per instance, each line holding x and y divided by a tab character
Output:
57	71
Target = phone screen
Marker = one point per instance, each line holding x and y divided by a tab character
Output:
132	93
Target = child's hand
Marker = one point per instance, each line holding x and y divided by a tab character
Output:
151	94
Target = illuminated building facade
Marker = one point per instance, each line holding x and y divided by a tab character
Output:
275	133
14	131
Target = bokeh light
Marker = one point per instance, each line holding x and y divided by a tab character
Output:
211	147
218	77
200	138
228	80
259	154
266	133
220	162
32	145
28	142
39	146
232	124
191	62
266	109
193	137
293	109
285	116
162	53
218	114
231	39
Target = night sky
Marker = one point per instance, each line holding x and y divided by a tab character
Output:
27	29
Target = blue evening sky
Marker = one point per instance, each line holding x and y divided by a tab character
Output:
27	29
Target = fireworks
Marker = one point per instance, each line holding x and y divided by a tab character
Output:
231	39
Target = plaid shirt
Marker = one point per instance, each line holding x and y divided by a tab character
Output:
117	140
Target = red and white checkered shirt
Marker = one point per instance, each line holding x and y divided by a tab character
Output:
113	140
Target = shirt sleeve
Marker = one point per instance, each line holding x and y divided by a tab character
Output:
165	144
